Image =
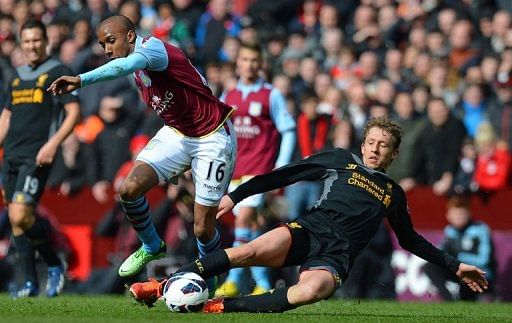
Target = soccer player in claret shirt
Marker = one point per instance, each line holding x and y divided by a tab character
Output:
197	134
357	196
33	124
265	133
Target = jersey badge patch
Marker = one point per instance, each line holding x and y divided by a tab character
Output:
255	109
41	79
144	79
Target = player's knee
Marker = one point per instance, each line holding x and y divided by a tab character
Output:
309	294
20	215
129	191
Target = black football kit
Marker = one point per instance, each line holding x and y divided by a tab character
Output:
35	116
354	201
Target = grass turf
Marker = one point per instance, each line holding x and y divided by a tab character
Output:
101	309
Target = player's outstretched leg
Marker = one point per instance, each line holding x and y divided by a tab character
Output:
153	248
141	179
313	286
261	275
209	266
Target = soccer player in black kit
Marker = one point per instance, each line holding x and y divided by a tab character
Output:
33	124
357	196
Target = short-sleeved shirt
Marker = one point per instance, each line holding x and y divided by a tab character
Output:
177	92
35	113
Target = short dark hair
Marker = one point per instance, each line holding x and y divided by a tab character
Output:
387	125
33	23
252	47
122	21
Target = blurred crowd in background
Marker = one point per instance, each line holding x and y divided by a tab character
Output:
440	68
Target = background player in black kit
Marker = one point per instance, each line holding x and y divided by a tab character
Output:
357	195
33	124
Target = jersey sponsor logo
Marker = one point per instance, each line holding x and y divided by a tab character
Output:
41	79
211	188
159	105
371	187
27	96
255	108
244	127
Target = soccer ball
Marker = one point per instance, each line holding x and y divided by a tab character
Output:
185	292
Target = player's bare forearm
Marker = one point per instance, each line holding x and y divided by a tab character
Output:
46	154
69	123
5	120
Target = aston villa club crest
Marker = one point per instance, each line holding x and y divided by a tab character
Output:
255	109
144	79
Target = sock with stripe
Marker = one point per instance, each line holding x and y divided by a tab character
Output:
261	275
242	236
210	246
138	214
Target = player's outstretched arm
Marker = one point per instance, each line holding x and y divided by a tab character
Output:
226	205
64	84
473	277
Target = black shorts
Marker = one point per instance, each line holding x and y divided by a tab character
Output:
324	249
23	180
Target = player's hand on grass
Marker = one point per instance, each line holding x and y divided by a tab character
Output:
473	277
226	205
64	84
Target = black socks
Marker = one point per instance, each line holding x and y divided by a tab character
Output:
275	301
210	265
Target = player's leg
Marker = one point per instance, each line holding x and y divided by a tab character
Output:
270	249
313	286
245	225
213	159
161	160
23	248
25	223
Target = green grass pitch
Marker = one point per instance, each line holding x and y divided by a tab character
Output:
101	309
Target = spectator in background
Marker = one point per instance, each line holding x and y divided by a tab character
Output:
463	182
172	30
312	135
188	12
493	164
110	148
343	136
437	151
357	107
472	110
500	107
461	50
467	240
69	173
412	126
212	27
